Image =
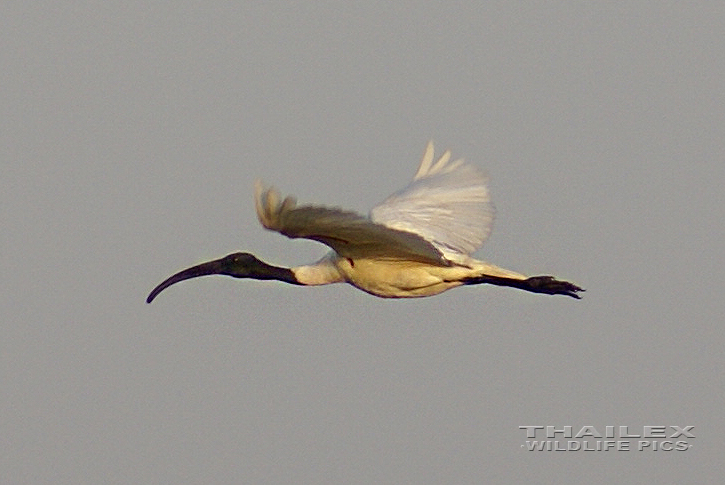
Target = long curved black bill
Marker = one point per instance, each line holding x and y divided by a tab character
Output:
203	269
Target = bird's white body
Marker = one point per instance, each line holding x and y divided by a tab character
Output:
390	278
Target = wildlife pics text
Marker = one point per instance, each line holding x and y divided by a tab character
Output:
608	438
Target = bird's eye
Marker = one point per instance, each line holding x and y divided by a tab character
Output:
239	257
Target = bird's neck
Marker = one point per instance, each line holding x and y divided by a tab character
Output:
269	272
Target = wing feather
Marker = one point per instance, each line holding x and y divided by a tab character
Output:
447	204
351	235
426	162
441	217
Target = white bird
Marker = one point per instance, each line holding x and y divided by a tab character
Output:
417	242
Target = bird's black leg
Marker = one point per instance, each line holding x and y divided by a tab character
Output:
535	284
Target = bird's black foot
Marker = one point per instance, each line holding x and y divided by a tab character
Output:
551	286
535	284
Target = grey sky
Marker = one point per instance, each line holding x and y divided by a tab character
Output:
130	137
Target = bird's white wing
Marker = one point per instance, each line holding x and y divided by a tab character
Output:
447	204
351	235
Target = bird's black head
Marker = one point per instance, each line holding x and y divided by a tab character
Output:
238	265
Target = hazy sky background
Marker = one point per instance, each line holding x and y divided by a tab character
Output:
131	134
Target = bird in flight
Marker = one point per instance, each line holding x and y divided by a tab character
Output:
416	243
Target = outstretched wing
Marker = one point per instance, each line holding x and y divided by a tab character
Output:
446	204
351	235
